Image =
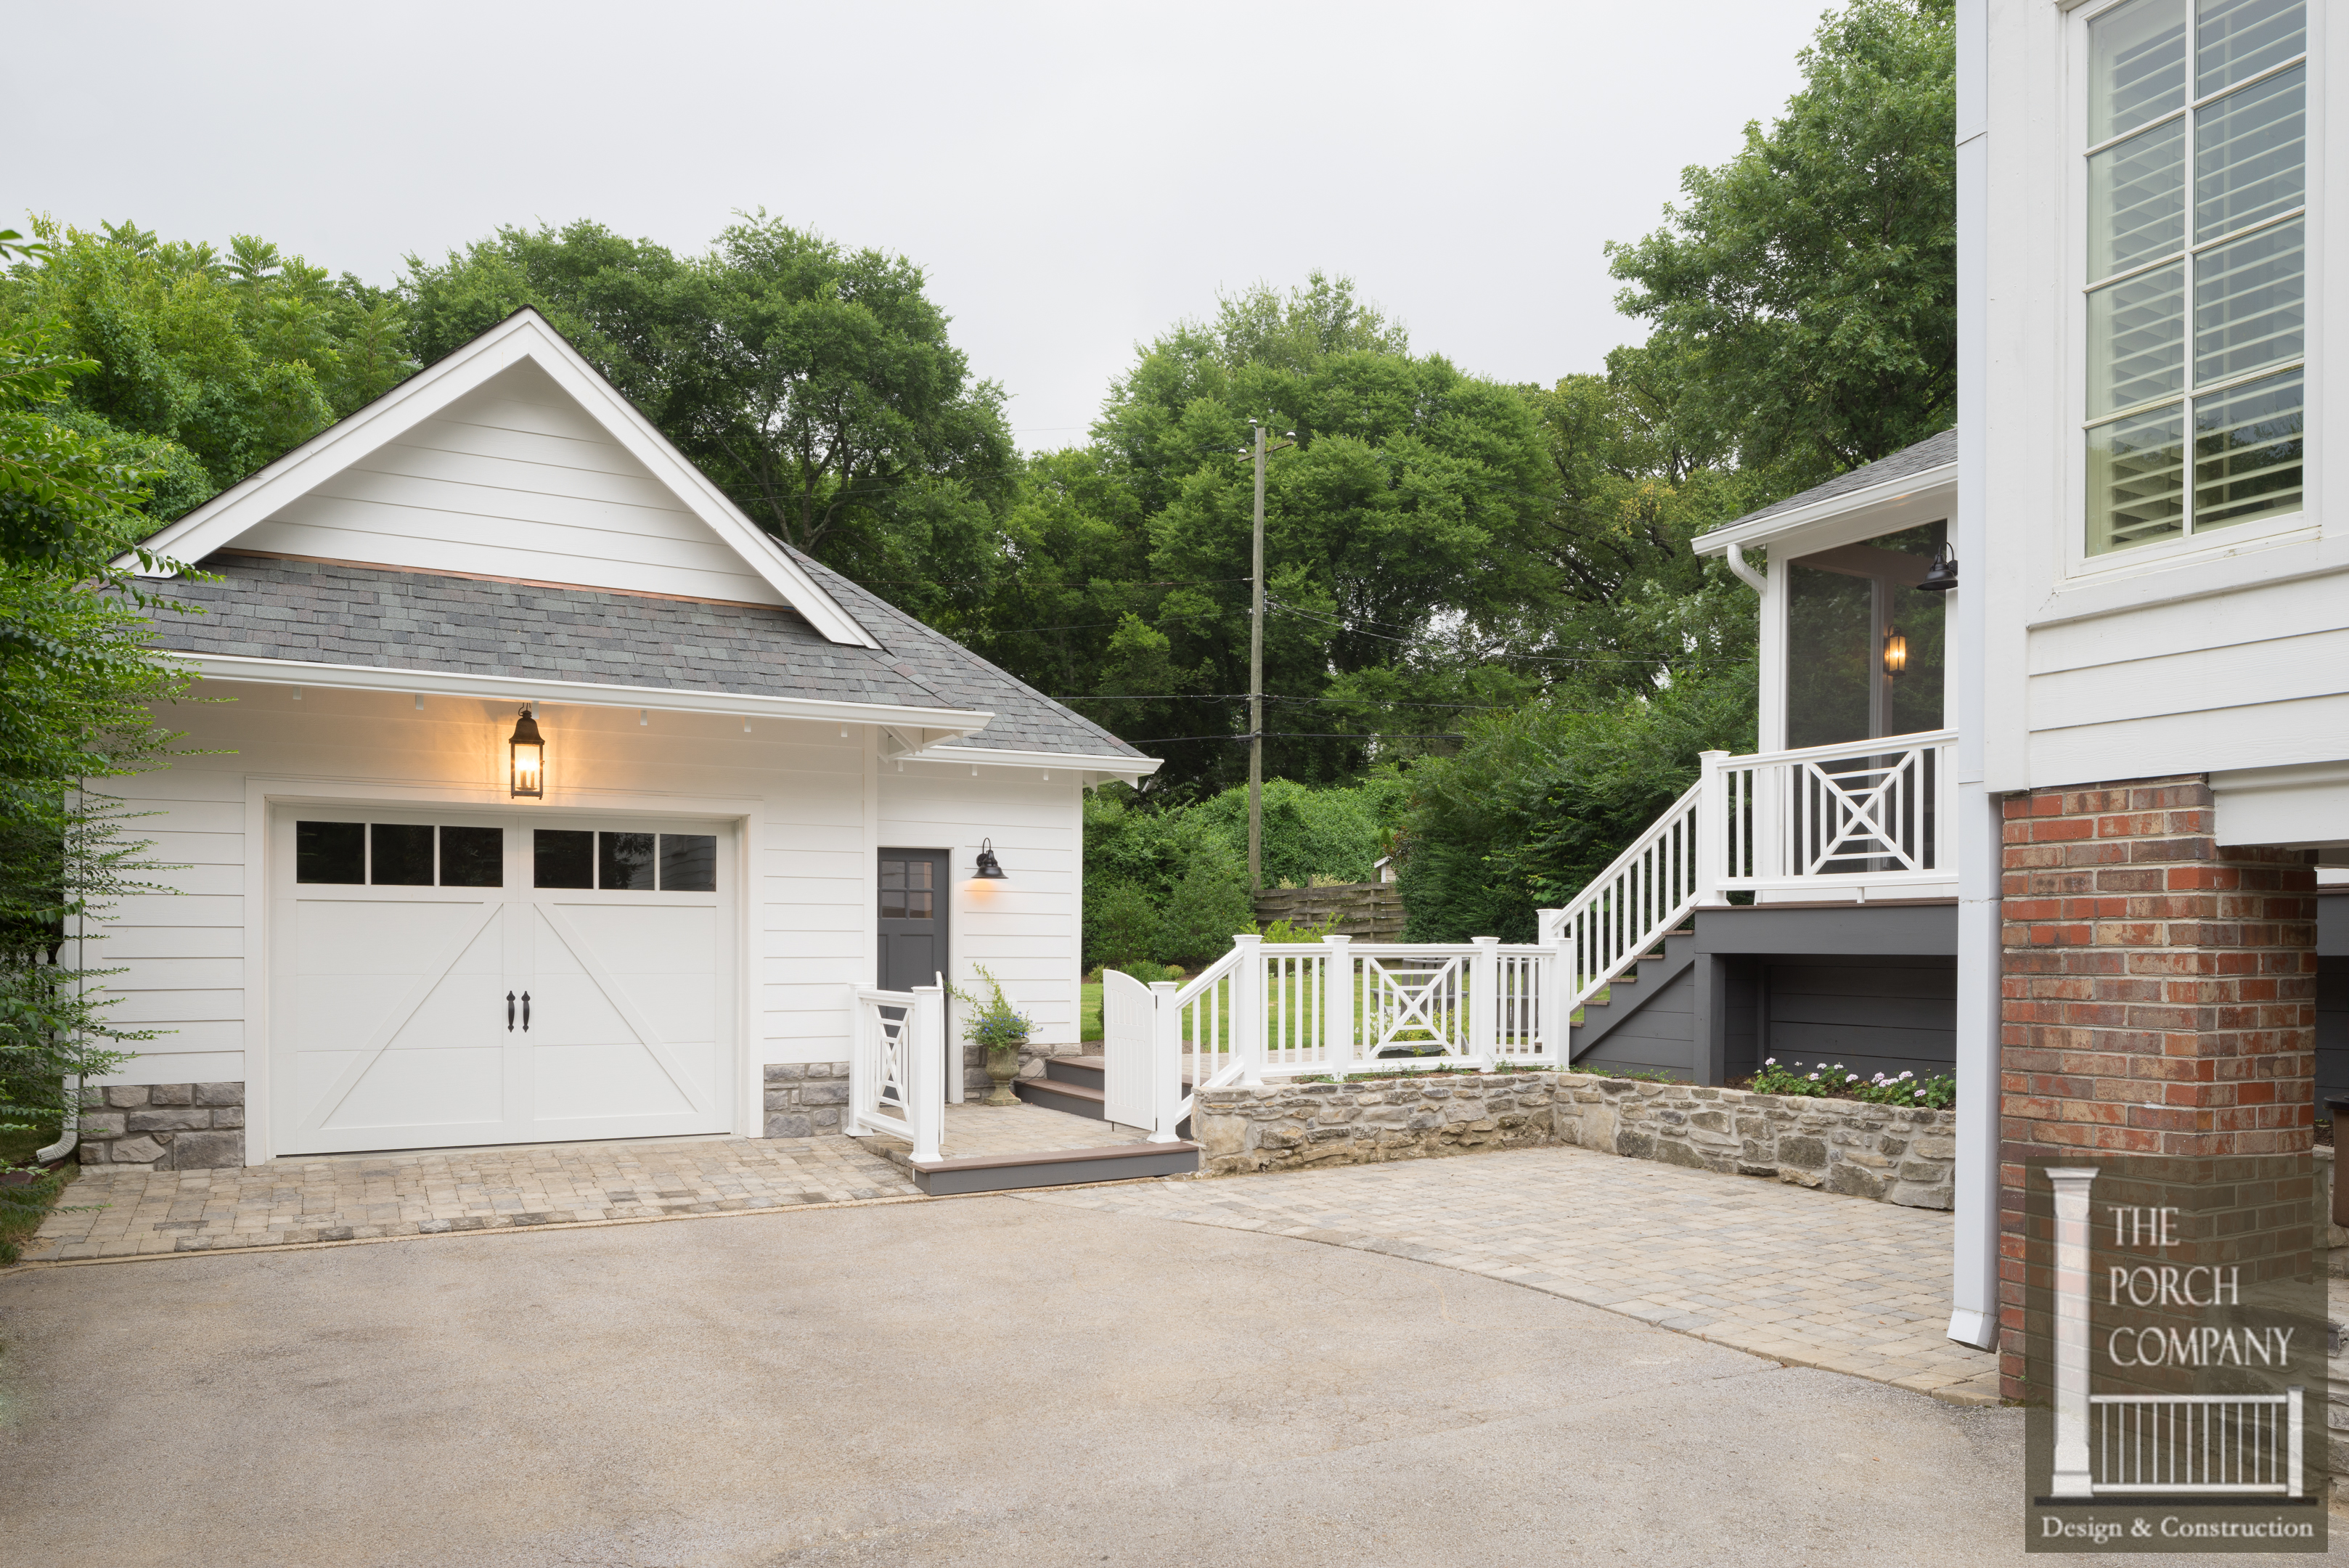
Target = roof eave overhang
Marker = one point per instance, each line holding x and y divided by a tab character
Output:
1910	487
937	725
1075	762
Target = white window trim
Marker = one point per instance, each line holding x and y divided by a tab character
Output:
2193	549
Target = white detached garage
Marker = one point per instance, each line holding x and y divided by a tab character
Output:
384	938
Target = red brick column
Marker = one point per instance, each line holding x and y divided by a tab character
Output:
2160	995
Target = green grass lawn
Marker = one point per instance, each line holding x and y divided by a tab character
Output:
19	1218
1089	1006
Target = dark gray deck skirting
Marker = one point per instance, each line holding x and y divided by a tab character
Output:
1060	1168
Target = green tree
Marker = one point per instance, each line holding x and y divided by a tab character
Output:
233	360
814	383
82	689
1803	298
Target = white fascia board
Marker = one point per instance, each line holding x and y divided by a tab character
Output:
1075	762
937	724
1764	530
525	334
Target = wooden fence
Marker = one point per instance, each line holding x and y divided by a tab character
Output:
1366	911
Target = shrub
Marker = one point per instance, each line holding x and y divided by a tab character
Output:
1833	1081
1121	924
994	1023
1209	907
1149	973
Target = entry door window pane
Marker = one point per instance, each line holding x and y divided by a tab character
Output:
1830	656
624	862
331	852
562	857
402	855
892	889
473	857
919	893
688	862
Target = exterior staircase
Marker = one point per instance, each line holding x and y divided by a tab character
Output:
1627	992
1075	1084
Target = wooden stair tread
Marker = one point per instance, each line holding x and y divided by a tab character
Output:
1061	1086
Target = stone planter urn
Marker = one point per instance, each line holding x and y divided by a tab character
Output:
1003	1068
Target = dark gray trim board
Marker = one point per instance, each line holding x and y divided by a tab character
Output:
1912	927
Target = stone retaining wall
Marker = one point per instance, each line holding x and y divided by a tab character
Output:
1287	1126
164	1127
1885	1152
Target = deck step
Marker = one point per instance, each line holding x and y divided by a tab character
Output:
1089	1070
1073	1099
1057	1167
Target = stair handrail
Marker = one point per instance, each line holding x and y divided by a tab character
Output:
1646	891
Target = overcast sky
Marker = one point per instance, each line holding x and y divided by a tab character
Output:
1073	179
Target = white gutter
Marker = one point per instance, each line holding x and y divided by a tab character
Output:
1753	579
954	722
1074	762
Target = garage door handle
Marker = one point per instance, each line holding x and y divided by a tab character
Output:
525	1012
509	1011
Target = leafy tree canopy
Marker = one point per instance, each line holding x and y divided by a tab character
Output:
202	366
814	383
1804	295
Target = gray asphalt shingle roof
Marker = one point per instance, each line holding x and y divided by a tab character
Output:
389	617
1933	451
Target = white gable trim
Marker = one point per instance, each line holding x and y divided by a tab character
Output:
1934	486
525	334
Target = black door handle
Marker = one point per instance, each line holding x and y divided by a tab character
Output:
525	1012
509	1011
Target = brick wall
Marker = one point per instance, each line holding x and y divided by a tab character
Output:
2158	995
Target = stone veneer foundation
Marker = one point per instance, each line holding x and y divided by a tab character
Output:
164	1127
1892	1153
804	1098
2158	998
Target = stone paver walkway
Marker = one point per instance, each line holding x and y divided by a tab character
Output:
1812	1279
342	1198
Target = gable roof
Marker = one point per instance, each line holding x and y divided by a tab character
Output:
1929	462
523	336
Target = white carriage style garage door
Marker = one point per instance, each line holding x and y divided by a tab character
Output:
441	978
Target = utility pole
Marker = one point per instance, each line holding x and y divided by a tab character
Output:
1256	685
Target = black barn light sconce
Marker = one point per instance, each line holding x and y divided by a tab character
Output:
988	868
526	751
1943	574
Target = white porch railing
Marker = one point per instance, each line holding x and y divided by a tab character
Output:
1331	1007
1876	813
897	1066
2246	1444
1649	891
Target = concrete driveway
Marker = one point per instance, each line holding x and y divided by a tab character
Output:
977	1382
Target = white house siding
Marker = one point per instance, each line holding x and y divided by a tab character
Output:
2233	654
513	479
815	805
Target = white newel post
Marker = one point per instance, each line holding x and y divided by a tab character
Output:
1247	1011
1485	999
1338	1006
2292	1401
1553	983
923	1055
1711	827
2072	1284
1166	1063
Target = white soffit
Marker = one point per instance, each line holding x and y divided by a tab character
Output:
2303	805
523	336
1933	488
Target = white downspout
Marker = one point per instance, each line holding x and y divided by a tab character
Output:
72	1134
1752	579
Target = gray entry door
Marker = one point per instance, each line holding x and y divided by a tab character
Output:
913	917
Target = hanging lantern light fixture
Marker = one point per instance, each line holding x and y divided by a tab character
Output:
1896	653
526	753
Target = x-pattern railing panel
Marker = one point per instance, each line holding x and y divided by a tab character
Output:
1858	819
1413	999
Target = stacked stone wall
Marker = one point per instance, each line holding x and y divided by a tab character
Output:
164	1127
1286	1127
1892	1153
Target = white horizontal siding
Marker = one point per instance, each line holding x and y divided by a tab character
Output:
515	479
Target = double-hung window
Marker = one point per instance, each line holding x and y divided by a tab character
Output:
2197	279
